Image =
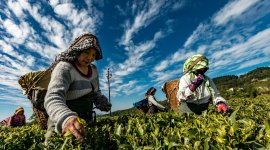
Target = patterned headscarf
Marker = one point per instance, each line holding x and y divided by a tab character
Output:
199	65
83	42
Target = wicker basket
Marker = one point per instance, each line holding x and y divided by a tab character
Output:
34	85
170	89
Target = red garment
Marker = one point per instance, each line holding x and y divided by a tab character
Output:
15	120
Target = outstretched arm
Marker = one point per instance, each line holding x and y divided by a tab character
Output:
154	102
9	120
55	103
216	95
101	101
219	102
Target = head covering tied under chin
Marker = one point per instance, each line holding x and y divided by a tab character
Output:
19	109
83	42
203	63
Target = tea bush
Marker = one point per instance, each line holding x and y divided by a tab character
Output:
247	127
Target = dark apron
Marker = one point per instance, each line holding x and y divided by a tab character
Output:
82	106
153	109
185	107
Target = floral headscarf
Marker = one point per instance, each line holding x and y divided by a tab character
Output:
83	42
203	63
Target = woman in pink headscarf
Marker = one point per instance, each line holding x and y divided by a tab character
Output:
18	119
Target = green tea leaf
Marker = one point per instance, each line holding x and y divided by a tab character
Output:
173	144
232	118
206	143
118	130
267	125
197	144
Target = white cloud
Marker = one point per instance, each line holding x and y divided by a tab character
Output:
12	99
253	62
233	10
8	49
11	71
252	52
81	20
178	4
231	44
77	22
134	62
64	9
142	20
161	77
48	35
178	56
202	49
130	65
162	65
200	29
53	3
5	47
23	33
19	32
120	10
17	8
74	22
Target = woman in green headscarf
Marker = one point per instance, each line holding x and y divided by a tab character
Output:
196	90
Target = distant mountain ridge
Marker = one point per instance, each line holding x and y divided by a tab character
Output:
231	81
251	84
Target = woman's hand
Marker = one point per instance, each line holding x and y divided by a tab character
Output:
75	127
196	83
222	108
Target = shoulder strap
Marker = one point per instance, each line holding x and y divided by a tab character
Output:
210	89
194	63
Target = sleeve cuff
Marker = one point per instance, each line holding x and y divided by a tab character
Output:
61	122
218	100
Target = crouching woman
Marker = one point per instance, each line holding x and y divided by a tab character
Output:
16	120
197	90
74	87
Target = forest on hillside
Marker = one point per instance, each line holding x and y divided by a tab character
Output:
251	84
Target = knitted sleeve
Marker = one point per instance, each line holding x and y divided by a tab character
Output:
55	102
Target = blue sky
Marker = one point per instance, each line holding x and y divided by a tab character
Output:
144	42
